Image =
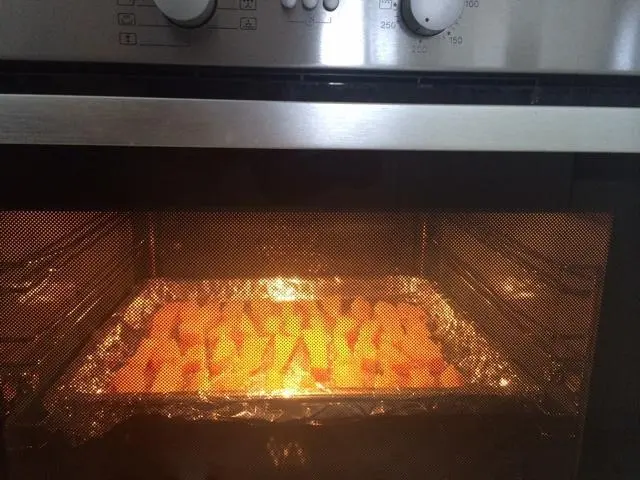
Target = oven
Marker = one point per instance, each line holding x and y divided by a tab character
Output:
260	239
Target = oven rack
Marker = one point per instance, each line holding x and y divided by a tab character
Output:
28	273
559	276
519	337
31	361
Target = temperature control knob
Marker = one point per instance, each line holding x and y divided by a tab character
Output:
187	13
430	17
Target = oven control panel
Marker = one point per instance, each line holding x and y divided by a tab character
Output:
556	36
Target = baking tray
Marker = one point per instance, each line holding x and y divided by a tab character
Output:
82	404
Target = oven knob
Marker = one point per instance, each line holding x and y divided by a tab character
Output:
187	13
430	17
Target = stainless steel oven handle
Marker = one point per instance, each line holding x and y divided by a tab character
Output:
77	120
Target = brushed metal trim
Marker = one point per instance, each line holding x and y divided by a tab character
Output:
526	36
115	121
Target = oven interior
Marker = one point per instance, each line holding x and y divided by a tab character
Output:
528	281
531	282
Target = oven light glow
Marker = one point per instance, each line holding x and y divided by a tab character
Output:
289	392
283	289
504	382
289	289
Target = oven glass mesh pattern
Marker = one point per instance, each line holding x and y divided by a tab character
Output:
313	316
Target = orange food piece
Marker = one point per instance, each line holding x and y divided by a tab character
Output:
386	377
345	324
383	311
223	355
314	321
332	306
194	360
196	376
252	354
420	349
247	326
387	316
317	342
188	311
394	330
370	365
144	353
414	320
292	325
222	329
283	351
272	324
220	367
308	309
351	338
232	312
436	366
274	381
346	373
367	353
130	379
165	351
416	329
260	310
168	379
197	382
291	318
209	315
402	369
421	378
164	321
370	332
322	375
365	349
393	358
238	338
361	310
342	347
191	332
451	378
411	312
232	379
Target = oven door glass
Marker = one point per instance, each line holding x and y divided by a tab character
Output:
251	314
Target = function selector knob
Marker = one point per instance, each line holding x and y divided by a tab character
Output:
430	17
187	13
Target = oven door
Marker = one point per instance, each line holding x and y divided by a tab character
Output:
451	290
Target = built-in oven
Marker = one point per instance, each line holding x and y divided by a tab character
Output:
260	239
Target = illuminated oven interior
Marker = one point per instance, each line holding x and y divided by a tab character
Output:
391	312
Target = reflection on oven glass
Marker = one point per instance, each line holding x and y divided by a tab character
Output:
517	289
627	35
286	453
